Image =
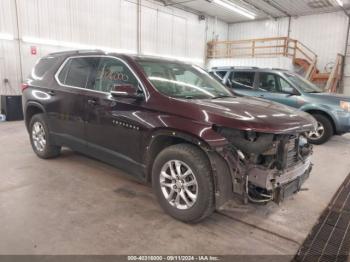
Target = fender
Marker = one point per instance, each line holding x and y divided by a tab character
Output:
322	108
223	184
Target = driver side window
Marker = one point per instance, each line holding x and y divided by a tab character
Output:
112	72
274	83
286	87
268	82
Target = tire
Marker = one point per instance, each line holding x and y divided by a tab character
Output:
327	130
195	164
40	139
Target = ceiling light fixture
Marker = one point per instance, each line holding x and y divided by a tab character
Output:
5	36
235	8
340	2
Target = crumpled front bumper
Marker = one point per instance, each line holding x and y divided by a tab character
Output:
281	184
234	179
272	178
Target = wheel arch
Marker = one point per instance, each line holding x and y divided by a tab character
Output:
32	109
164	138
223	183
327	115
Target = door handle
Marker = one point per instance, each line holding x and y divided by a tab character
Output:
51	93
92	102
261	96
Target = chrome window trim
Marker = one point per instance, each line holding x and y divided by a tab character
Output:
98	56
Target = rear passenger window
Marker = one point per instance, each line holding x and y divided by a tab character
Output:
245	79
76	71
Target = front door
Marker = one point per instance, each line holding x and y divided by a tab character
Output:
273	87
113	124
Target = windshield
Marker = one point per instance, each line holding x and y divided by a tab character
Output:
303	84
183	80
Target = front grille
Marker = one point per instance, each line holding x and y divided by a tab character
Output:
287	154
292	153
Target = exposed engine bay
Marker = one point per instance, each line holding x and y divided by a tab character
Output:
266	167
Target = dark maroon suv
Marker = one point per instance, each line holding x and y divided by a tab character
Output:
170	124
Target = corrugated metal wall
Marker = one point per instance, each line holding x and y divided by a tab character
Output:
52	25
217	30
258	29
265	62
323	33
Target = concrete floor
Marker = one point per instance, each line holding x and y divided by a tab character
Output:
76	205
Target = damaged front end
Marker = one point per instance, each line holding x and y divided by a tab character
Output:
265	167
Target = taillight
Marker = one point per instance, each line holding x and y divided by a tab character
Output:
24	86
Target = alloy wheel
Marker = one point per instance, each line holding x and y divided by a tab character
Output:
39	136
178	184
318	133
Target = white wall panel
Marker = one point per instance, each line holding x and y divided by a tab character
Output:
323	33
171	32
7	18
259	29
268	62
9	67
217	29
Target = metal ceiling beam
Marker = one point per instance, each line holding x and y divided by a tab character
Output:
276	6
259	9
171	3
180	6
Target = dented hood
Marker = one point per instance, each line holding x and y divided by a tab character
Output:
251	114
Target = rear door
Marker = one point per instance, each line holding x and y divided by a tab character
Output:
273	87
66	112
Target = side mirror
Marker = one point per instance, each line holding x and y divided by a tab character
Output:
293	92
126	91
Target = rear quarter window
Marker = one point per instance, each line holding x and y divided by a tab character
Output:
43	66
76	71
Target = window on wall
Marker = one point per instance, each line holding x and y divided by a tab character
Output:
77	71
112	72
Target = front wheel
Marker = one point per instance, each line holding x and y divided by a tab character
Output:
324	130
182	181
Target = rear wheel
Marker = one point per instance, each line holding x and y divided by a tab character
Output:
323	132
182	181
40	140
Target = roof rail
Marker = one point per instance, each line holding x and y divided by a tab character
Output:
89	51
234	67
82	51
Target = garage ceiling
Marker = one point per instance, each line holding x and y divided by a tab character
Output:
262	8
